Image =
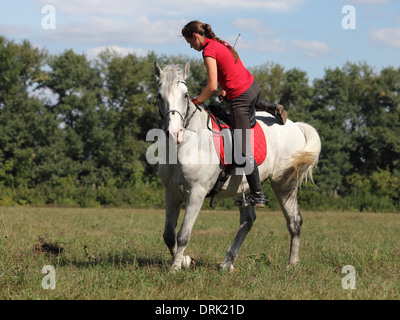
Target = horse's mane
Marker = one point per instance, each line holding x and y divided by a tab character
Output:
170	78
171	73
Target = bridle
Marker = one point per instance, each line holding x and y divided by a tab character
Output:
185	118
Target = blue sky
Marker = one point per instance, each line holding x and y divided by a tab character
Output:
303	34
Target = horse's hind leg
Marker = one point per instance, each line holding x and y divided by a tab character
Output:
247	218
287	197
172	208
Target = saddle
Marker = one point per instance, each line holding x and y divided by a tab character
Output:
219	124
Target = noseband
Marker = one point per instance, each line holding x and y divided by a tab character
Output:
184	117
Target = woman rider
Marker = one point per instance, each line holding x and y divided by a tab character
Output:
239	87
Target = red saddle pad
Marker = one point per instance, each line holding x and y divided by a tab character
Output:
258	144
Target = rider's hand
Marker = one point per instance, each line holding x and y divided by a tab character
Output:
196	102
222	95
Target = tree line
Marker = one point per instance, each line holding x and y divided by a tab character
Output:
72	130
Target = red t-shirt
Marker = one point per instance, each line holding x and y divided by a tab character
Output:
233	77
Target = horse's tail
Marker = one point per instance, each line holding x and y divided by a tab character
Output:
305	160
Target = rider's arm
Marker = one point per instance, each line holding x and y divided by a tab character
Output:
212	79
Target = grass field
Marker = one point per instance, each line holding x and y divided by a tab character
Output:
120	254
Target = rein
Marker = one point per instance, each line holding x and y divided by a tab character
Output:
185	118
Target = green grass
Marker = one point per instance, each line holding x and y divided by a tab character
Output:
120	254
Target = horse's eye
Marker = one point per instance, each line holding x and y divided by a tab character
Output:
186	95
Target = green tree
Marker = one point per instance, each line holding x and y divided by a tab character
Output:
379	139
271	78
86	144
296	95
24	124
330	112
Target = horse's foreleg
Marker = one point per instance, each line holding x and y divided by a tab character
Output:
172	207
288	200
193	206
247	218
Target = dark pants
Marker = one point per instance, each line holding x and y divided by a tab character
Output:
241	108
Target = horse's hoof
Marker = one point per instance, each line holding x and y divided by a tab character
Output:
225	267
174	269
291	265
186	262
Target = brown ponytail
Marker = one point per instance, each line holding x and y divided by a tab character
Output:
204	29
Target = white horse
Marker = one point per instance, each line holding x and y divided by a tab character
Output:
293	151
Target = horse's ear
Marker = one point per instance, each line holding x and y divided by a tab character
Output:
187	70
157	69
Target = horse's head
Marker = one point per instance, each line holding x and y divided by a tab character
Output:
173	98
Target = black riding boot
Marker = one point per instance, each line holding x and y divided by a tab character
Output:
277	110
256	197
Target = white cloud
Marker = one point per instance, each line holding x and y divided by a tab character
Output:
264	37
369	2
127	22
13	30
389	37
312	49
254	25
262	45
45	94
170	7
107	31
94	52
316	46
279	5
103	7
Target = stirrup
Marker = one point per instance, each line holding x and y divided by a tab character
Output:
250	201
